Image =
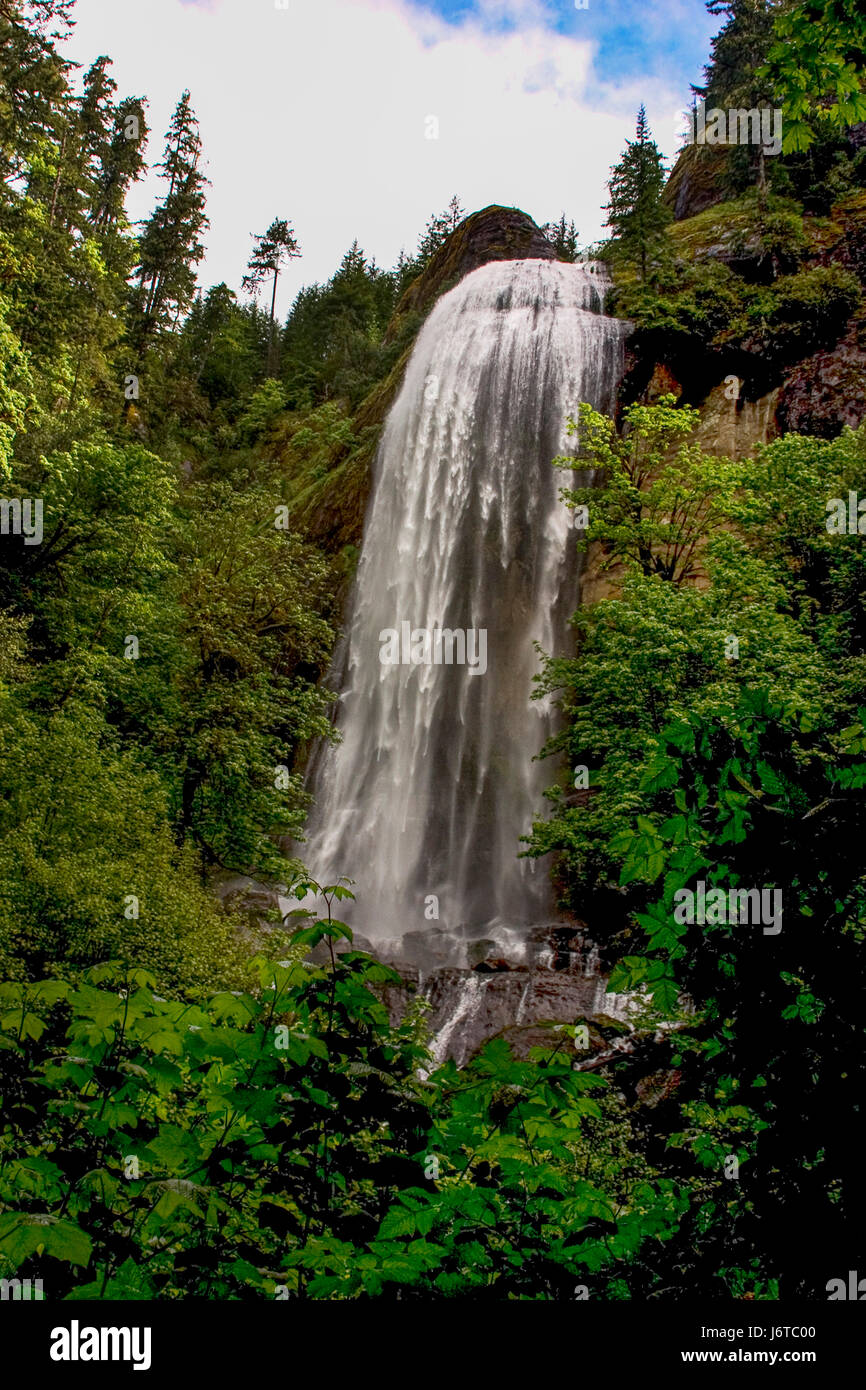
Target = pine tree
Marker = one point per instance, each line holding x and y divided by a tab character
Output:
113	136
636	213
121	163
270	252
563	237
170	245
734	77
438	229
33	79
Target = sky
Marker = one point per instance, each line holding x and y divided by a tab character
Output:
360	118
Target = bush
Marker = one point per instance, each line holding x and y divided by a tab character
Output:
281	1142
809	310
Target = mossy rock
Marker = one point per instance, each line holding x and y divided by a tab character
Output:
695	182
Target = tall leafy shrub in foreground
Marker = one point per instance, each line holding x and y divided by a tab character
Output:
283	1142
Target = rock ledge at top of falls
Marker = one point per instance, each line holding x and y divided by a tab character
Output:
493	234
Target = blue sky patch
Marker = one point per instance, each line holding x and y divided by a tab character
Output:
667	41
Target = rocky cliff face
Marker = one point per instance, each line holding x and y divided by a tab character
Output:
827	391
519	992
695	181
493	234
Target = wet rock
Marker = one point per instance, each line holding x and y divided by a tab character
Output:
477	952
662	383
468	1007
658	1086
828	390
423	950
736	428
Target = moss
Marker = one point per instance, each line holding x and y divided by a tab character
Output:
695	181
758	239
493	234
749	287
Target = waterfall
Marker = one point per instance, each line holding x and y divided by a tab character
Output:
425	799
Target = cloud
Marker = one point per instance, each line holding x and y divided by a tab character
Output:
319	113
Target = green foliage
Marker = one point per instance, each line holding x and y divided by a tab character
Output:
563	236
764	794
649	506
740	281
163	758
817	60
807	311
89	867
734	768
534	1191
787	590
279	1142
16	399
333	343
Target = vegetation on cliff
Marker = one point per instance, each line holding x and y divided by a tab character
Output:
714	713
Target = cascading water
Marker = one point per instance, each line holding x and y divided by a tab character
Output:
424	801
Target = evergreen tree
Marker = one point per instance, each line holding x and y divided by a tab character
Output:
404	271
562	236
32	81
113	135
438	229
738	50
636	213
734	77
333	340
170	245
270	252
220	346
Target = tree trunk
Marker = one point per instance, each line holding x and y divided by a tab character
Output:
56	189
271	367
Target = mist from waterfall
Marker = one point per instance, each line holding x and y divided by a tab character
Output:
425	799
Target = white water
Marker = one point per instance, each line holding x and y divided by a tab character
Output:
434	782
